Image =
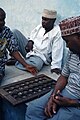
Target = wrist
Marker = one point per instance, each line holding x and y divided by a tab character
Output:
53	94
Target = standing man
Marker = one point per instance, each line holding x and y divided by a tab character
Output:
7	41
62	103
45	45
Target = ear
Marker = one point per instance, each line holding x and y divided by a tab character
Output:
76	37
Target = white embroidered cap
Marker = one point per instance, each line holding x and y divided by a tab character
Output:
70	26
49	13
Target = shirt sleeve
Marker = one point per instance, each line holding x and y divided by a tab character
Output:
12	44
34	32
66	70
57	51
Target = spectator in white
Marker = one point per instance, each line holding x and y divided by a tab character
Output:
45	44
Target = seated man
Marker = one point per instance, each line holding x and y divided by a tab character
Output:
62	103
45	44
7	41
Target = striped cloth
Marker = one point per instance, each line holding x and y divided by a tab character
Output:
72	71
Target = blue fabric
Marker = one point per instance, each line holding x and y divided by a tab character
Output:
32	60
11	112
35	110
21	40
1	109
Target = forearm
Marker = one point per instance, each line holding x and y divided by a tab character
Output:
63	101
19	58
76	103
73	103
61	83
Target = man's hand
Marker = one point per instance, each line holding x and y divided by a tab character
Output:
28	67
29	46
51	107
64	102
56	70
31	69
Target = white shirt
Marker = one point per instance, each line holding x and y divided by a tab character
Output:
45	45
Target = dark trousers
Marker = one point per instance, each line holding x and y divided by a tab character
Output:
11	112
1	111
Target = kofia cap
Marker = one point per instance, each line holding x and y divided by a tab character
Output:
49	13
70	26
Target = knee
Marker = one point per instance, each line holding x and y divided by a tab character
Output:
31	108
16	34
15	31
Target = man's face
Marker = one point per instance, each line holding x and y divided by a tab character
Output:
2	20
73	43
47	23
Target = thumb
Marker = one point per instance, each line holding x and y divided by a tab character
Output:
58	91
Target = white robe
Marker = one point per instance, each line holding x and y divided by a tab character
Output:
49	44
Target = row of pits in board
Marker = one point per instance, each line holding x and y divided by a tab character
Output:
21	90
30	92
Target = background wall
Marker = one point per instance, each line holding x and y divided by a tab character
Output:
26	14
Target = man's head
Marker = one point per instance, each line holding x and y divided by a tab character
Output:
2	18
48	19
70	30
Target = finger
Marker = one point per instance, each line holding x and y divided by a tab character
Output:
31	71
58	91
34	71
47	112
58	102
54	108
59	98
